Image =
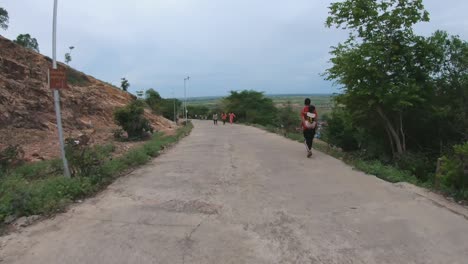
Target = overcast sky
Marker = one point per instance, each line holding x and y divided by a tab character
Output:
267	45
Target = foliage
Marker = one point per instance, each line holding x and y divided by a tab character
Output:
132	120
251	106
288	118
27	41
198	110
404	95
3	19
83	159
161	106
452	171
68	57
22	193
77	78
153	100
10	157
124	84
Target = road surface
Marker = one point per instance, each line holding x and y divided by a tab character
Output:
236	194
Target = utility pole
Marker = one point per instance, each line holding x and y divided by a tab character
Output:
58	115
173	95
185	98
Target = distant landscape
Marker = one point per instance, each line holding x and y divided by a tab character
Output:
323	102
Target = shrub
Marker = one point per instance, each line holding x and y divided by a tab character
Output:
418	164
10	157
77	78
83	159
341	132
131	119
452	170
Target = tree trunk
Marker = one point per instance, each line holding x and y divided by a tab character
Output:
403	137
392	130
390	139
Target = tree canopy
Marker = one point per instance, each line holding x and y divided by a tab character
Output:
4	19
27	41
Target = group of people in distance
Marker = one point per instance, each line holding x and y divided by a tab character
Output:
309	119
224	117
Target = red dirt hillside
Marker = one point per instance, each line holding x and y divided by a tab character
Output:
27	115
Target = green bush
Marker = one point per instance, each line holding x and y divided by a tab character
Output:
10	157
251	107
341	131
418	164
132	120
75	77
452	168
83	159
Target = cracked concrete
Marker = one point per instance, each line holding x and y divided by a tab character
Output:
236	194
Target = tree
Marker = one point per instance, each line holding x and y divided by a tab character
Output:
153	100
132	120
124	84
288	118
4	19
68	57
252	107
27	41
382	66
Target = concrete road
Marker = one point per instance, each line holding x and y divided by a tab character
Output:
236	194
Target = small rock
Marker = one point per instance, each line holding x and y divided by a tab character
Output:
21	222
10	219
79	201
26	221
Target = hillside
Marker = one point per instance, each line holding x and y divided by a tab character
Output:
27	115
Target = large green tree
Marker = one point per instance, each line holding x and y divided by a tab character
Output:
383	65
27	41
251	106
4	19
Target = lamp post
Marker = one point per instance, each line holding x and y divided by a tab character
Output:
58	115
185	97
173	95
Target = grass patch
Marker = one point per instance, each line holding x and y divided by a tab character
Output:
39	188
75	77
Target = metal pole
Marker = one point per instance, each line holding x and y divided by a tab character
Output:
58	115
185	98
173	95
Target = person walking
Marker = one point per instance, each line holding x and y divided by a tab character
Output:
309	119
231	117
215	119
224	117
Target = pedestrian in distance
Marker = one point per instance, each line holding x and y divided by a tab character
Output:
309	119
224	117
231	117
215	119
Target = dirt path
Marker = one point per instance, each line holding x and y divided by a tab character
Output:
236	194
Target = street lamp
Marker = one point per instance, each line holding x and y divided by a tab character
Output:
173	96
185	97
57	94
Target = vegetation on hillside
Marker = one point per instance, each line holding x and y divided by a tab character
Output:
162	106
4	18
251	107
132	120
27	41
124	84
